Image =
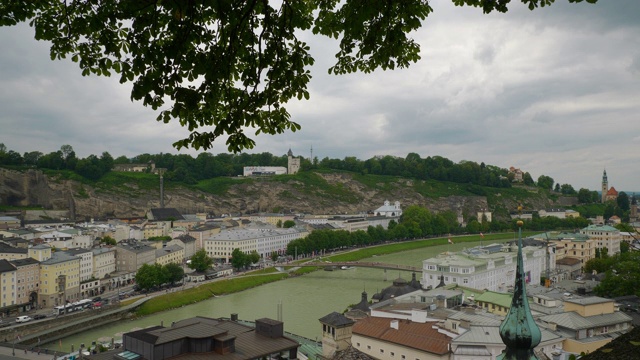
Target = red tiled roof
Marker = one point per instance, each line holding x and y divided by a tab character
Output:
419	336
612	191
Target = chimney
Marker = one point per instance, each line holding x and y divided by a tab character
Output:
395	324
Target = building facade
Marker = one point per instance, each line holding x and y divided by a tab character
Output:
8	281
59	280
131	255
489	267
605	237
104	262
27	282
170	254
263	241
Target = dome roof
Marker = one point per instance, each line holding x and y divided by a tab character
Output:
400	287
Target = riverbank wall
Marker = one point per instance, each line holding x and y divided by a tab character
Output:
53	329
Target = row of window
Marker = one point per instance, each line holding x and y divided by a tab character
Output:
391	353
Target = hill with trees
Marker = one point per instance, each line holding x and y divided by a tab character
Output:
212	183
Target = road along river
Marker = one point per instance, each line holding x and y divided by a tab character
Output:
304	299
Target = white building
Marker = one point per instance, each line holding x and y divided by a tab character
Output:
86	262
605	236
104	261
264	241
491	267
66	240
389	210
263	170
557	213
293	163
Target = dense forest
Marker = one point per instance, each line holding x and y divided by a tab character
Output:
189	170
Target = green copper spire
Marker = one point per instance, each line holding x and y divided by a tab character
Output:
518	330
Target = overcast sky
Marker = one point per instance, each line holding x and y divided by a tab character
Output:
555	91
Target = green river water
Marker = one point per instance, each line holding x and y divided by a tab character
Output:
304	299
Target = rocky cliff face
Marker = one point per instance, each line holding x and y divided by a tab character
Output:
32	188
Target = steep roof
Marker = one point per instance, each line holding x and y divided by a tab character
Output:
336	319
165	214
351	353
420	336
5	266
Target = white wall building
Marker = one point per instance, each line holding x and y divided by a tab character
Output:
86	262
263	170
389	210
104	261
605	236
491	267
264	241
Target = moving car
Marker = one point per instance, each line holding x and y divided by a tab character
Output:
23	319
39	316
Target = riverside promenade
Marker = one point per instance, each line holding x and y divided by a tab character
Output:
29	341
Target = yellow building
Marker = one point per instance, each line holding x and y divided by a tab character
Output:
589	323
8	274
156	228
59	280
170	254
11	253
590	306
269	218
606	237
571	245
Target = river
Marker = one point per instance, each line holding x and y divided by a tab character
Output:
304	299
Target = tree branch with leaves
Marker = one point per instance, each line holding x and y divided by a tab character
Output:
222	67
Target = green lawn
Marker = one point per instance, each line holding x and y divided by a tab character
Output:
205	291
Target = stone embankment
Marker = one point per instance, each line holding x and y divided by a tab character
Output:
52	329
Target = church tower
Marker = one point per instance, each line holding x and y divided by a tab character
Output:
605	186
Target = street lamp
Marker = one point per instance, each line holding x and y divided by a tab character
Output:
13	350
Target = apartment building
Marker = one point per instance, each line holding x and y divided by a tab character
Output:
605	236
104	261
27	282
263	241
8	281
170	254
59	279
131	255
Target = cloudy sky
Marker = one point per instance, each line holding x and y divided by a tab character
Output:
555	91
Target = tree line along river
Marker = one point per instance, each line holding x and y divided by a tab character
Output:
304	299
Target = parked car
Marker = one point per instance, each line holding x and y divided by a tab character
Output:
23	319
39	316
